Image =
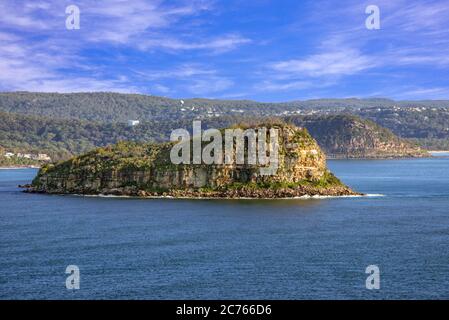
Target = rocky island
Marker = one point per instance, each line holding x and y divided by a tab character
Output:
146	170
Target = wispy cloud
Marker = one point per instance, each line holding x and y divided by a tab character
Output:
335	63
205	47
283	86
412	35
183	71
19	14
216	45
422	16
130	22
423	93
36	67
208	86
41	63
197	79
161	88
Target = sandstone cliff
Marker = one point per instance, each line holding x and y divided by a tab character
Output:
146	170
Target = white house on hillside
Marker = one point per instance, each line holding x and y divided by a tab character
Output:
133	123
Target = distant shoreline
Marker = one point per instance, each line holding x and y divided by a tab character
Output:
17	168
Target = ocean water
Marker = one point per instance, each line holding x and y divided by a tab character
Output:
234	249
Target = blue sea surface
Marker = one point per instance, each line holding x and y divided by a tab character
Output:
234	249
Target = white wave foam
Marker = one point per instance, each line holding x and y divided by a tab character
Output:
305	197
101	196
337	197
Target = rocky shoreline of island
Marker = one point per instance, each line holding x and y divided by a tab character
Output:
244	192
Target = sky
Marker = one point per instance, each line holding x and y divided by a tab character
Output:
256	49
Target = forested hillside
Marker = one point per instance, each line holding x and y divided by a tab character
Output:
63	138
416	122
115	107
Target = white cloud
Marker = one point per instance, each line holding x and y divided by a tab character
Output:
30	67
198	79
44	63
184	71
19	15
423	57
423	93
161	88
209	86
336	63
417	16
144	24
124	21
412	34
216	45
36	50
79	84
283	86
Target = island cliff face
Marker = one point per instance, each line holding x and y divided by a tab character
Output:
145	170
